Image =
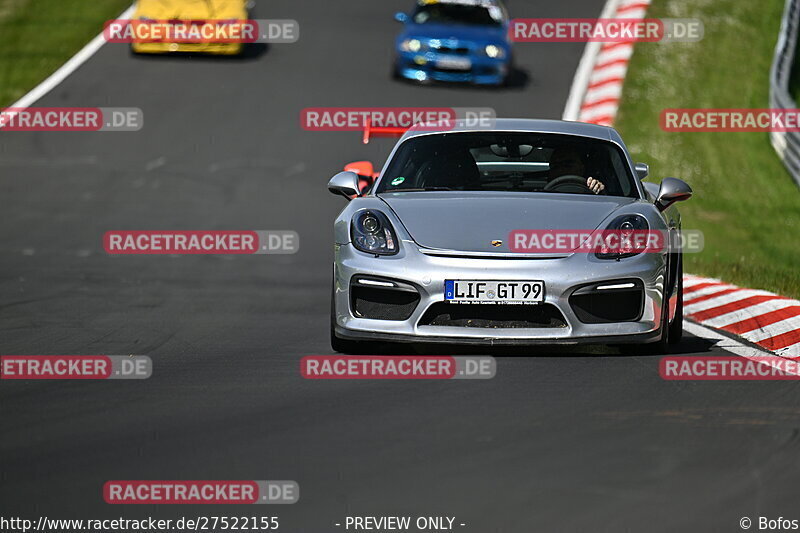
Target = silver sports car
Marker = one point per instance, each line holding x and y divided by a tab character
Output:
450	243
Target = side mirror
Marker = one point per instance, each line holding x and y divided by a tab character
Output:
401	17
642	170
672	190
344	183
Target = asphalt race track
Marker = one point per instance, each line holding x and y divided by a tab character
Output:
561	440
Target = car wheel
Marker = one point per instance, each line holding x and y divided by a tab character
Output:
676	328
506	81
396	71
662	345
672	332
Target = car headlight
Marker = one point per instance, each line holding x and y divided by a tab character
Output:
626	236
495	52
371	232
411	45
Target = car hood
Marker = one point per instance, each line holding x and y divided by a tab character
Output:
190	9
470	221
487	34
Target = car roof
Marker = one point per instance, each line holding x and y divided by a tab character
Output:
528	125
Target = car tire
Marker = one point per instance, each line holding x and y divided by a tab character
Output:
505	83
396	71
671	332
676	327
661	346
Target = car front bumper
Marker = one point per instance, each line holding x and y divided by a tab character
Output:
423	67
562	277
200	48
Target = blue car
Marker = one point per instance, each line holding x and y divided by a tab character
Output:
454	41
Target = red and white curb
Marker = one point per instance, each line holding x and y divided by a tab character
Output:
761	317
597	88
767	320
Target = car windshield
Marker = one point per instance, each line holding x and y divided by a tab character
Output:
472	15
500	161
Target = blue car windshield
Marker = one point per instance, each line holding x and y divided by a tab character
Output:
471	15
507	161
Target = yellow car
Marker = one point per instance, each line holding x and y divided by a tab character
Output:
189	26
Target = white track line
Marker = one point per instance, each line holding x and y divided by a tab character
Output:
601	104
734	347
67	68
585	69
602	62
791	352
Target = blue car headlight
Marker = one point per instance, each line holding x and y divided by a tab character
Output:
494	51
371	232
626	236
412	45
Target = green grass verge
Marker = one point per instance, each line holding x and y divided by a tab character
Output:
745	202
38	36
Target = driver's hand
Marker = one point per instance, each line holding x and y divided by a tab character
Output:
596	186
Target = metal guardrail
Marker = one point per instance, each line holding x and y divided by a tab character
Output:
786	144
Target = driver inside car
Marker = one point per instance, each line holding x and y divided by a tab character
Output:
566	161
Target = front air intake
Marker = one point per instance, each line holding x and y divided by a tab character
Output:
493	316
610	301
382	299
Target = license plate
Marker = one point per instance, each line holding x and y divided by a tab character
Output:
454	63
498	292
